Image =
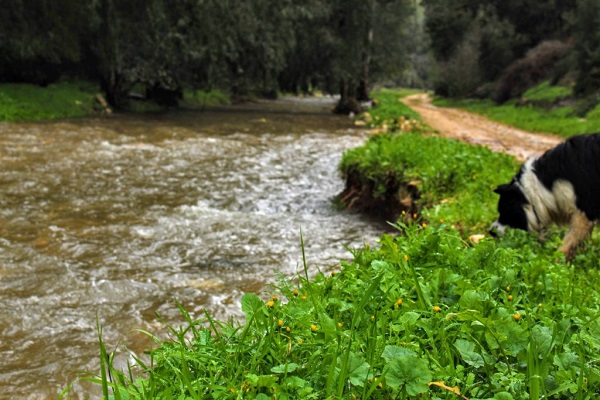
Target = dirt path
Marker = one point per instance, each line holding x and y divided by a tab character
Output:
472	128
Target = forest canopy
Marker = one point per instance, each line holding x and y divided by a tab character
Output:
460	48
241	47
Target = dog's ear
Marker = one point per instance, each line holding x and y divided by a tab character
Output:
507	187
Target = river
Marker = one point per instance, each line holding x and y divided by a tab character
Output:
119	218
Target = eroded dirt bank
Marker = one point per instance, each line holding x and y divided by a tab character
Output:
476	129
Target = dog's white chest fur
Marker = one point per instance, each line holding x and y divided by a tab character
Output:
546	206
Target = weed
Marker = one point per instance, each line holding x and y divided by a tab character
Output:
206	98
456	179
389	114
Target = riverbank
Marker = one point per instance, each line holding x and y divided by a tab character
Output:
73	99
426	312
27	102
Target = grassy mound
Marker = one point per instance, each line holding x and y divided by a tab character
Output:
455	181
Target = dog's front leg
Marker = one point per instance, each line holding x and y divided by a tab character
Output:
541	235
580	228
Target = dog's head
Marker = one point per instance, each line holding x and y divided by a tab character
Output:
511	209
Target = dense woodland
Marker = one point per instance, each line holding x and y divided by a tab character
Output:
460	48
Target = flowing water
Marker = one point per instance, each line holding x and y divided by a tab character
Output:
118	219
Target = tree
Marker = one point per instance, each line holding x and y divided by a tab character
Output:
587	50
39	38
504	30
368	37
157	48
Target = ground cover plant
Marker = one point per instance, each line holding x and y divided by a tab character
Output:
203	98
421	315
538	111
26	102
69	99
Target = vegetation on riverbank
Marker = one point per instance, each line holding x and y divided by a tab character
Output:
26	102
444	179
71	99
421	315
544	108
425	313
408	175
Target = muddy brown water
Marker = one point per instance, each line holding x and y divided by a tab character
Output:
120	218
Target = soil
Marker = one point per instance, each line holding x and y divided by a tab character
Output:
475	129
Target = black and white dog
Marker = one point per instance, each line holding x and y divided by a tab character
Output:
562	186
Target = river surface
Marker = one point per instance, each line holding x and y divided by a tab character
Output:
118	218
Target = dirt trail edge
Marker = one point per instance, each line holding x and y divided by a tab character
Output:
475	129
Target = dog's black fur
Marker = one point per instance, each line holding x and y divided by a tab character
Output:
562	186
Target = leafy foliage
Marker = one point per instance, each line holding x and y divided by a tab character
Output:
423	314
481	48
252	47
588	53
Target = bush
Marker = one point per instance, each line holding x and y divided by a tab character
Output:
535	67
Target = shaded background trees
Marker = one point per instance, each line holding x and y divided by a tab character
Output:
155	49
159	48
499	49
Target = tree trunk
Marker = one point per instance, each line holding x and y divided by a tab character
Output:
363	86
348	103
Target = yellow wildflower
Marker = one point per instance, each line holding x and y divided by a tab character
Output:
517	316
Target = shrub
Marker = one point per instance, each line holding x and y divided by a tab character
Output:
535	67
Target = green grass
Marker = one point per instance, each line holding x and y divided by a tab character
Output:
457	180
26	102
561	121
419	314
389	113
546	93
205	98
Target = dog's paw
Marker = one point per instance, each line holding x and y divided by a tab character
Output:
568	251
